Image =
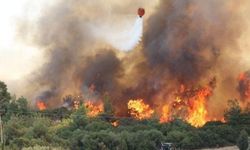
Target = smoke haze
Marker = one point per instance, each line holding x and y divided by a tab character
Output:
185	42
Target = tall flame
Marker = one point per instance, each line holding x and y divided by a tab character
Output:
189	105
165	114
139	110
197	112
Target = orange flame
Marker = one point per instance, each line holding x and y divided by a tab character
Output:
139	110
41	105
189	105
244	80
165	114
242	76
197	111
197	115
93	108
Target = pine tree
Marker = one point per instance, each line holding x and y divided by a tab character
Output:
242	141
4	97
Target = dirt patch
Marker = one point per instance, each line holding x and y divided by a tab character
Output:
223	148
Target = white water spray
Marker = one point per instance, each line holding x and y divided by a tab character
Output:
123	37
127	39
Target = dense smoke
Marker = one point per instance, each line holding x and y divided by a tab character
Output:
76	54
187	37
186	42
192	41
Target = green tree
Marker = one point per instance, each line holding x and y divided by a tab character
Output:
14	129
232	114
227	133
108	111
79	118
12	108
242	141
108	108
143	140
176	136
58	113
98	126
4	97
101	140
211	139
22	105
191	141
40	128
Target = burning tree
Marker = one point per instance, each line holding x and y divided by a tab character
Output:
139	110
93	109
190	105
244	88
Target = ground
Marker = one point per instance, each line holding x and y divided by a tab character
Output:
223	148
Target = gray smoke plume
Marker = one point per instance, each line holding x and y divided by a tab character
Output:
187	37
183	43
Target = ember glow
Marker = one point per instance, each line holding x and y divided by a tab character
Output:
139	110
93	108
41	105
244	88
244	85
115	123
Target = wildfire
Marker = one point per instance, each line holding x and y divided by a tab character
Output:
197	112
244	85
93	108
139	110
189	105
165	114
41	105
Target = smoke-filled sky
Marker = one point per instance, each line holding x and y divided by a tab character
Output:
19	57
62	47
